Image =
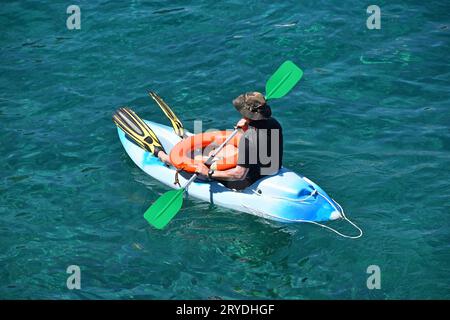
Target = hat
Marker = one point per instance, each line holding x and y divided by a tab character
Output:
252	105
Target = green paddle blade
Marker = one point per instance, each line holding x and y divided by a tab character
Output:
165	208
283	80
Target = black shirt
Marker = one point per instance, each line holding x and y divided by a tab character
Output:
260	150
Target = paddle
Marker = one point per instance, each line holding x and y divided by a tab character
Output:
283	80
167	206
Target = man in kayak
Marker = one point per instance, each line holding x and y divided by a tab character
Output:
260	149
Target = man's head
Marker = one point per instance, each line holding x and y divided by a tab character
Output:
253	106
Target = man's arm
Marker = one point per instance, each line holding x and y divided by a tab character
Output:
236	173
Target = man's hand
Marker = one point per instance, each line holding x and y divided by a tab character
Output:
201	169
243	123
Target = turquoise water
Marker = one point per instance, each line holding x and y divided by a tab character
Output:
369	123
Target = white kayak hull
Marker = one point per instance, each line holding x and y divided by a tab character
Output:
285	197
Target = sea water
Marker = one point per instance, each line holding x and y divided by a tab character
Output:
369	122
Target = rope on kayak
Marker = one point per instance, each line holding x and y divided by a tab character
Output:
341	210
177	180
312	194
343	217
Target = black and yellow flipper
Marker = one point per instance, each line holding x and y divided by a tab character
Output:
176	123
137	130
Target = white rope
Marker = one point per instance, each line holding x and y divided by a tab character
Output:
289	199
343	217
317	223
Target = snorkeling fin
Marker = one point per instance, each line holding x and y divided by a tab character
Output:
176	123
137	130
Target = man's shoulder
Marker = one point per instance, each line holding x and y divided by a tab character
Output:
273	123
270	123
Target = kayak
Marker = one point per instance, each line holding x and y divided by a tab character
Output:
284	197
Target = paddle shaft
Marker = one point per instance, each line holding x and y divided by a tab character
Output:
210	159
